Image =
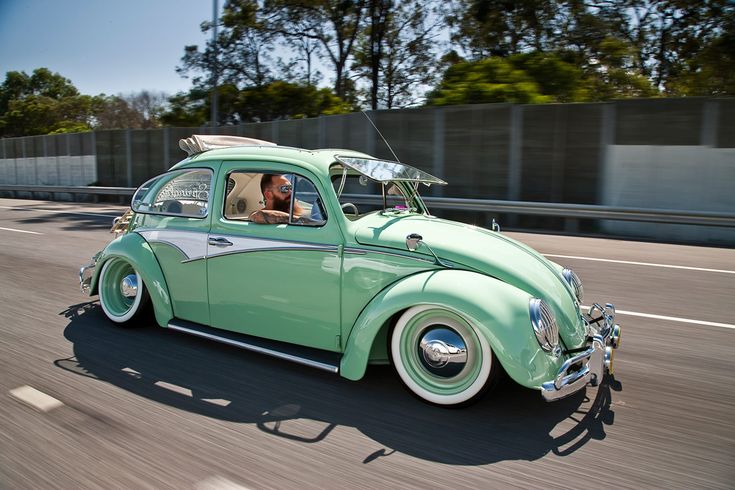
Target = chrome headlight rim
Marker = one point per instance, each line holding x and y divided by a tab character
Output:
543	322
574	282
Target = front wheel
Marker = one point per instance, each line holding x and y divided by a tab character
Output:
122	294
441	357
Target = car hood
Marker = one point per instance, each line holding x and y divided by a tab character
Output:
486	251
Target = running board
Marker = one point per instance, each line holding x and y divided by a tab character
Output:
308	356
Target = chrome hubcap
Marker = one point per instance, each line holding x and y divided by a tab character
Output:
442	352
129	286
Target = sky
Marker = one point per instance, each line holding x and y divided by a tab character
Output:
103	46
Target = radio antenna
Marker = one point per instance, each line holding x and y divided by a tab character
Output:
381	135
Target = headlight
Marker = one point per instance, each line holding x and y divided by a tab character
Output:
544	325
574	282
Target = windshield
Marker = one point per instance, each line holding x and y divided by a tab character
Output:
386	171
359	195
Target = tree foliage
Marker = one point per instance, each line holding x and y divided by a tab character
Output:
47	103
275	100
42	103
625	48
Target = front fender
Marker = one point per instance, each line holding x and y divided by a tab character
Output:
498	310
133	248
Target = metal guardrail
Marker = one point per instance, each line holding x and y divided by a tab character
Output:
573	211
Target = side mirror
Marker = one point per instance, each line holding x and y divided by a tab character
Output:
413	241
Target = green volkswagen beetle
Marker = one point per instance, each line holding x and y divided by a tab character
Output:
331	259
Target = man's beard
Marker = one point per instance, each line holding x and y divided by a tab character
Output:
281	204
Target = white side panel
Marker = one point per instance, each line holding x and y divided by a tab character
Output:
65	170
61	170
687	178
89	169
192	244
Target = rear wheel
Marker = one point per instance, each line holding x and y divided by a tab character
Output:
122	294
441	357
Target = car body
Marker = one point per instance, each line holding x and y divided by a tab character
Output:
450	305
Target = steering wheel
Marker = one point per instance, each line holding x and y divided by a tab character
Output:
350	205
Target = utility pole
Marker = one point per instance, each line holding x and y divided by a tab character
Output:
215	64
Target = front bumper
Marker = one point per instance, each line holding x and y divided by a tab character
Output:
590	365
86	274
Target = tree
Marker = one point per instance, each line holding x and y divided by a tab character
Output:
397	51
284	100
334	24
626	48
484	81
485	28
42	103
240	54
141	110
193	108
187	109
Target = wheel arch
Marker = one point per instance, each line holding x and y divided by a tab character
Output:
133	248
498	310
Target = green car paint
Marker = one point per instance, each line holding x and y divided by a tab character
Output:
342	295
499	310
484	251
366	271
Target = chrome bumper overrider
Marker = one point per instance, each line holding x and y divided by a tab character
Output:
590	365
85	275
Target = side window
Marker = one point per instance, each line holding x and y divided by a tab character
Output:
283	198
308	206
183	193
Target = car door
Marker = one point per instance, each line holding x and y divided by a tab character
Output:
174	218
278	281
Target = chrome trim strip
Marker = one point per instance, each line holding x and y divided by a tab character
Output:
193	259
244	244
365	251
262	350
274	249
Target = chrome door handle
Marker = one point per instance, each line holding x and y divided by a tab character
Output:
220	242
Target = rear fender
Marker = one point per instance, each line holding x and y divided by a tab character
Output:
498	310
133	248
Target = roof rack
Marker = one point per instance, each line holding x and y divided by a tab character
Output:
199	143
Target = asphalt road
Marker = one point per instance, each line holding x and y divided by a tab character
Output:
150	408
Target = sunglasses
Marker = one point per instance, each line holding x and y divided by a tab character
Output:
283	189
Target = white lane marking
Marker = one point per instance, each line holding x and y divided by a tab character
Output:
21	231
175	388
670	318
132	372
218	483
669	266
37	399
217	401
676	319
56	211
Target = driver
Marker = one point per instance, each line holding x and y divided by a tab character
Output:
276	191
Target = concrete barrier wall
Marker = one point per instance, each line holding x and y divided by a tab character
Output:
698	178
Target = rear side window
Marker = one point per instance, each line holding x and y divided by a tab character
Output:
183	193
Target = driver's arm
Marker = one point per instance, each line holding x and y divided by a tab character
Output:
269	216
